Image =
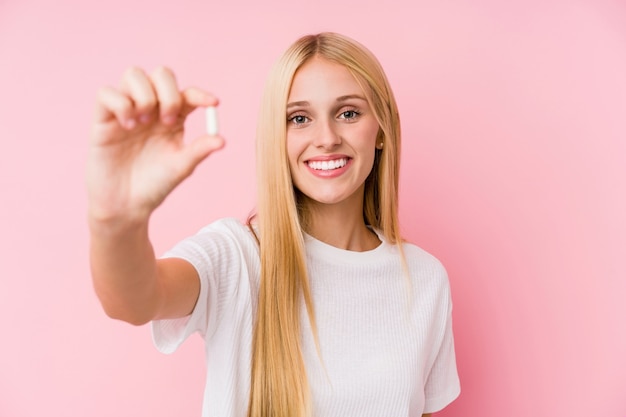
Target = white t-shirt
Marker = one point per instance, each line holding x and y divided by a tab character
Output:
387	346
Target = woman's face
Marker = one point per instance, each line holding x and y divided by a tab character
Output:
331	133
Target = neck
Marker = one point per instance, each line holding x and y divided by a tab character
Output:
340	225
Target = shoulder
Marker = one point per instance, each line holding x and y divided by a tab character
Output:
419	258
426	270
227	225
222	239
225	230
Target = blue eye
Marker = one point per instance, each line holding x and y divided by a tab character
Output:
298	119
349	114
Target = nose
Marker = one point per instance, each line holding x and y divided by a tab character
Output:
326	135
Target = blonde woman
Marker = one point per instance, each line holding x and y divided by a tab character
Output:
315	307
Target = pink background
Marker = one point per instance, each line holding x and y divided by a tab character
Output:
514	175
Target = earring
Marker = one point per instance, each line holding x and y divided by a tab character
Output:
380	145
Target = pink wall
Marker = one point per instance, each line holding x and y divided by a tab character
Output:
514	174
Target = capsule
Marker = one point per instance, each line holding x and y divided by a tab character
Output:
212	127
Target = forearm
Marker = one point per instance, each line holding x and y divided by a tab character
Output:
123	269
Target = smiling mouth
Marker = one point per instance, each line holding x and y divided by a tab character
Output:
328	165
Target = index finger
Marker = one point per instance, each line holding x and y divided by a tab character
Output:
195	97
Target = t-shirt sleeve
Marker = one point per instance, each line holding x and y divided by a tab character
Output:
216	255
442	385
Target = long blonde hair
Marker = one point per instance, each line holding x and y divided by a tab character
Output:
279	386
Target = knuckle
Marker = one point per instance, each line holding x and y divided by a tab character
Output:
133	71
103	92
132	77
162	70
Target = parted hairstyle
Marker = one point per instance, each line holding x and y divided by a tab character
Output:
279	386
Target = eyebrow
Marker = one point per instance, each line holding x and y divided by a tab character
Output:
339	100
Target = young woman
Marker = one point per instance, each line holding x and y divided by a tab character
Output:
316	307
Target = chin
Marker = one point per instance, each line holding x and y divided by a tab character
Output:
327	198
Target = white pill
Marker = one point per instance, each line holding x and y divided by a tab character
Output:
212	127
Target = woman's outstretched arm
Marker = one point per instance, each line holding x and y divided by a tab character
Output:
137	156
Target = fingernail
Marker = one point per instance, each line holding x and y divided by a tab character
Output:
169	120
144	118
130	123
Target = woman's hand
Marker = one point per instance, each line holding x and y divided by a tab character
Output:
137	154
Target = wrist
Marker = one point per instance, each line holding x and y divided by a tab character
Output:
113	224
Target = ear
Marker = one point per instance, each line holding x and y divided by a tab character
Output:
380	139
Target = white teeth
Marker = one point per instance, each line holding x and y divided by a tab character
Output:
328	165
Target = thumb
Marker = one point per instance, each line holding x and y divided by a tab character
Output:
200	148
